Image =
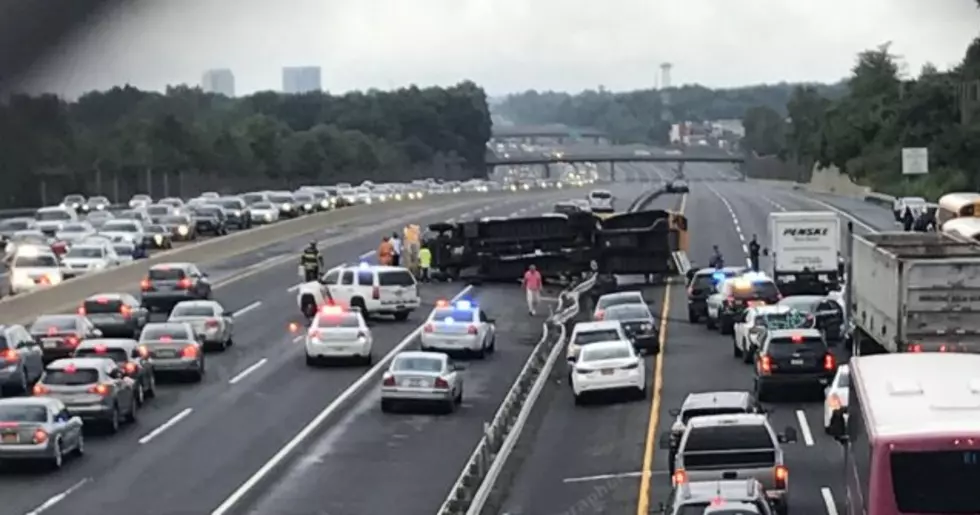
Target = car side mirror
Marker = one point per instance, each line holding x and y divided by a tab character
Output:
490	320
789	435
690	274
97	333
572	359
838	426
664	442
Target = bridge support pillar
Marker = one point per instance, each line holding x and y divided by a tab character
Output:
680	170
612	171
547	170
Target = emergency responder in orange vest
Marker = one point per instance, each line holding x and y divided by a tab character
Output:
386	252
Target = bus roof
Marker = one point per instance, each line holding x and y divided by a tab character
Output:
968	228
919	394
956	201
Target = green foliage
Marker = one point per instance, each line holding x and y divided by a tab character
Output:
138	140
863	132
640	116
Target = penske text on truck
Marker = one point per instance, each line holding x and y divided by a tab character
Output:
915	292
804	240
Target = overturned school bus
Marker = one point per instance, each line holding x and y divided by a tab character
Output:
559	244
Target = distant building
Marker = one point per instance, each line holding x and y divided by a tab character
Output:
301	79
221	81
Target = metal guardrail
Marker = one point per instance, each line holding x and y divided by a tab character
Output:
473	487
646	198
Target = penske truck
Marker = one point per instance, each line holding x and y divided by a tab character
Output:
804	249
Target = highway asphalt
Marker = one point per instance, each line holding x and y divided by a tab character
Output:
195	444
604	459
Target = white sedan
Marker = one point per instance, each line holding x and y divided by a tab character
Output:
418	377
337	333
264	213
461	327
608	366
836	395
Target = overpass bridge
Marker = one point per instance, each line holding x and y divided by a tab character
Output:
613	158
557	133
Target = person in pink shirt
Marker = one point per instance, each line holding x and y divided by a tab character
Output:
532	285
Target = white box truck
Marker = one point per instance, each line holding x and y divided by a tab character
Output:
805	248
915	292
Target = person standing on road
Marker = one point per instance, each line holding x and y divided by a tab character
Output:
425	263
396	249
532	287
385	252
754	249
908	219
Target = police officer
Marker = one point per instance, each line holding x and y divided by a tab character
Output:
717	260
754	249
310	261
908	219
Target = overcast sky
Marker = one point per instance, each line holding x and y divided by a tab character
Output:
503	45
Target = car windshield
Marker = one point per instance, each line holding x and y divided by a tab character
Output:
52	215
164	332
124	250
617	300
453	315
166	274
174	220
729	437
417	364
120	226
704	412
627	312
70	376
192	310
603	353
74	228
346	321
263	205
98	200
15	225
601	194
45	261
74	199
593	336
85	252
281	198
789	320
230	204
156	229
115	354
57	324
303	197
23	413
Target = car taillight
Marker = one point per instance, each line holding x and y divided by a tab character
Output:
679	477
915	347
130	368
829	362
441	383
125	310
144	352
599	315
833	402
782	476
184	284
11	356
765	364
40	436
376	293
189	351
145	285
72	340
44	280
314	335
212	323
40	389
429	328
99	389
472	329
81	311
389	381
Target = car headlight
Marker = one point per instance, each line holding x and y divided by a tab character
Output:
286	206
182	230
324	203
307	206
158	238
267	216
646	327
236	212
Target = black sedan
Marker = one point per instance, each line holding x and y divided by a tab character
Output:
210	220
639	324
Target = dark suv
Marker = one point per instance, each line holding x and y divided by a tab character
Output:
167	284
210	220
793	358
701	284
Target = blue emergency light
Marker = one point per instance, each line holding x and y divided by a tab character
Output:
464	305
448	320
718	276
364	264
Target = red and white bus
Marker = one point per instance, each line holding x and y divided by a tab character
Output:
913	434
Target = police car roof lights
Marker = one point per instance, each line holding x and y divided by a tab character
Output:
364	264
718	276
332	309
464	305
441	303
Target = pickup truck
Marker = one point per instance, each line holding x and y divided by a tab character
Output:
914	292
738	446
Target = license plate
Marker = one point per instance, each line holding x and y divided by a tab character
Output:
10	438
398	293
165	354
607	371
416	383
796	362
51	344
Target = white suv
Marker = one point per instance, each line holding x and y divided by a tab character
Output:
375	290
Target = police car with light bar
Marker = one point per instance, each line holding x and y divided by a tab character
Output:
338	333
736	295
374	289
459	327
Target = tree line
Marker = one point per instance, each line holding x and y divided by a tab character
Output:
641	116
863	132
182	141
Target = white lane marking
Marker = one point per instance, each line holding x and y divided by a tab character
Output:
840	212
246	309
166	425
775	204
601	477
249	484
55	499
738	225
804	428
294	287
298	339
828	500
241	375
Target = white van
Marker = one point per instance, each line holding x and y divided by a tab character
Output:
601	201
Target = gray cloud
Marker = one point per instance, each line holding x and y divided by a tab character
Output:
504	45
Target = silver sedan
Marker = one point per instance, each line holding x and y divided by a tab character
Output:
38	429
209	319
422	378
173	347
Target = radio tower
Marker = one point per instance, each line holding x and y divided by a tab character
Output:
664	86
